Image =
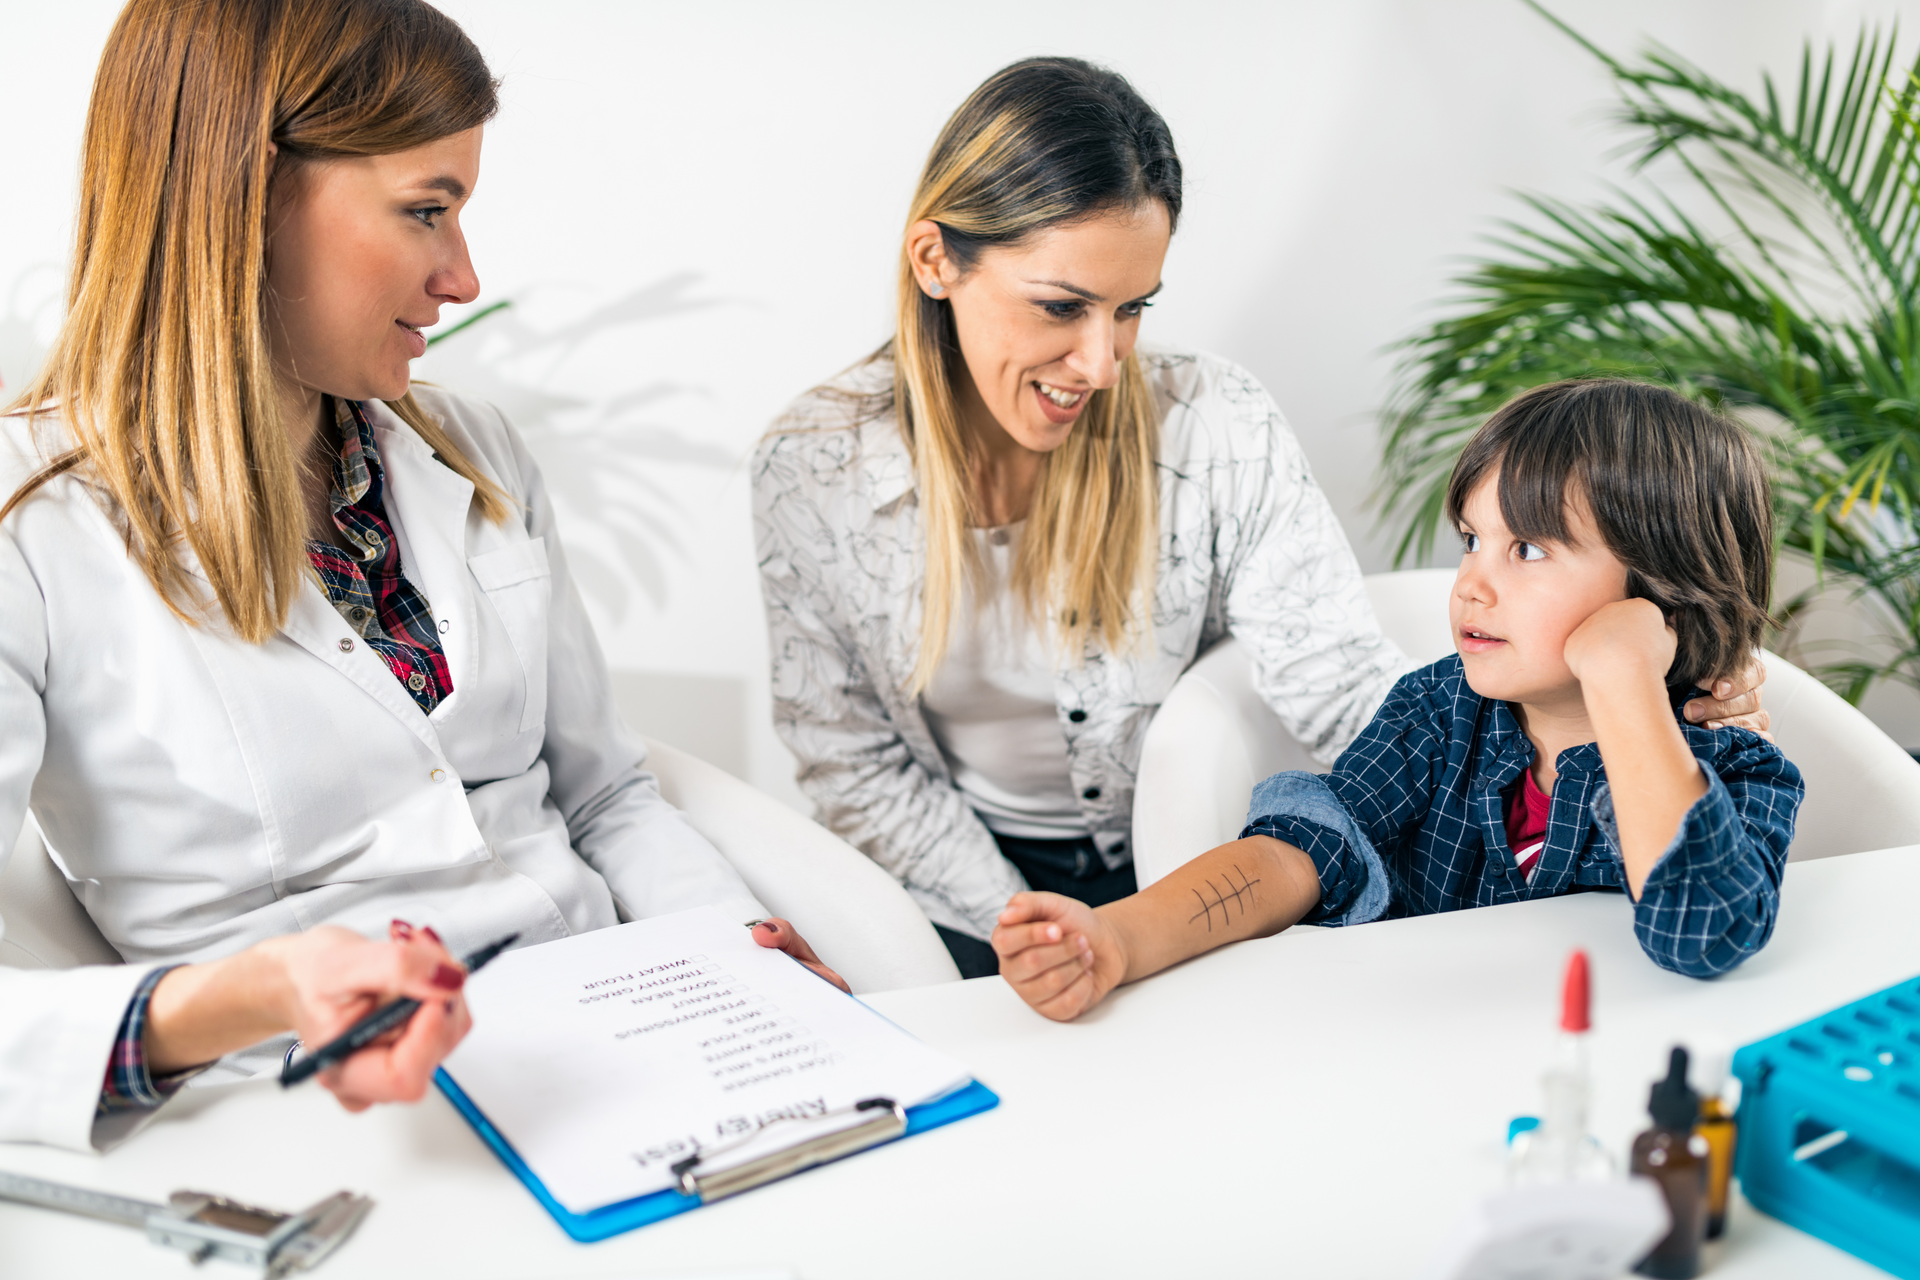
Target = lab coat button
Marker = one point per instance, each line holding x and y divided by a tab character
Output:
444	626
346	646
438	775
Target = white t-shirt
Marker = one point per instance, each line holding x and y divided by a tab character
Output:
991	706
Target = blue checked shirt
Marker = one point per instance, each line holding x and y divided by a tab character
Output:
1412	821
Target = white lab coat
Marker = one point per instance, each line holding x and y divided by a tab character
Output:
202	794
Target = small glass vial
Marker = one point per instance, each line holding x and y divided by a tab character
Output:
1676	1158
1719	1091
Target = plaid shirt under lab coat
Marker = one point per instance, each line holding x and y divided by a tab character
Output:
1412	821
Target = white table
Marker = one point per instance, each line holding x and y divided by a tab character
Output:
1321	1104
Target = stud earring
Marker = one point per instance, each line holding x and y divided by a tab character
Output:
936	288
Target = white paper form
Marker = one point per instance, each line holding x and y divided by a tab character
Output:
606	1057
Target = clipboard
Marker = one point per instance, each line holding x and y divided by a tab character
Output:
625	1215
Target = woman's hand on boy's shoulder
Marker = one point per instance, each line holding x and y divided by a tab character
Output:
1735	702
1058	953
1628	638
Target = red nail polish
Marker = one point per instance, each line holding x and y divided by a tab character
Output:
448	978
770	926
402	928
428	930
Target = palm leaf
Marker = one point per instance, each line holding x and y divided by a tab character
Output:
1777	277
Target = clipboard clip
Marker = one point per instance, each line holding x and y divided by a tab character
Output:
888	1122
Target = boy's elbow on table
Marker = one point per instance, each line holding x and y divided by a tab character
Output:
1739	943
1702	928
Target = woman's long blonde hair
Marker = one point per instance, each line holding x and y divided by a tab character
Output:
1044	142
161	371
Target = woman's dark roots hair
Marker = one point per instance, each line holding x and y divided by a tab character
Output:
1066	140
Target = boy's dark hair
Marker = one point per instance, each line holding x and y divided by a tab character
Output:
1677	492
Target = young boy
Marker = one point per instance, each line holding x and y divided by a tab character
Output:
1617	550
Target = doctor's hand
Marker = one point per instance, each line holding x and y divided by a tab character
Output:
316	984
781	936
1058	953
334	977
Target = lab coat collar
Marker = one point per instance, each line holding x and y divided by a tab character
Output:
315	625
428	504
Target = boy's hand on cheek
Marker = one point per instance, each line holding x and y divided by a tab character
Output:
1058	953
1628	638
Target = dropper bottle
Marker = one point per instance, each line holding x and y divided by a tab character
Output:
1561	1149
1675	1157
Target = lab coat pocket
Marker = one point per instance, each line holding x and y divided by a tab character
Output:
518	583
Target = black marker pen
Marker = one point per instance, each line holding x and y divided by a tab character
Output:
376	1024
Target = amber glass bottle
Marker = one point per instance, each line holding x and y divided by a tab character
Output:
1717	1127
1675	1157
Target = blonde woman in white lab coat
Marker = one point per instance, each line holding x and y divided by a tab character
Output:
292	674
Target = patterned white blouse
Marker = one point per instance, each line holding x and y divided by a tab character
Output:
1248	546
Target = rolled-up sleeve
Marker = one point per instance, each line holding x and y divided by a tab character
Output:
1300	809
1381	786
1713	897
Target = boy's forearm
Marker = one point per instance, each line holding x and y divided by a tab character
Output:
1247	888
1651	772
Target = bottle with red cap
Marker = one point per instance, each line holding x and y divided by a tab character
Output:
1560	1149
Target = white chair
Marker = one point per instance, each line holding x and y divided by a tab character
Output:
42	925
859	920
1214	738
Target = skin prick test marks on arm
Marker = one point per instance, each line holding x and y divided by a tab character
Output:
1237	895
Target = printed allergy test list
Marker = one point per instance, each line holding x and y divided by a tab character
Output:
606	1057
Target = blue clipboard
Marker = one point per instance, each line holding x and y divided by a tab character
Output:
610	1220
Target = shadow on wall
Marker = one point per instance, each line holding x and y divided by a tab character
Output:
613	465
602	456
33	302
705	716
610	464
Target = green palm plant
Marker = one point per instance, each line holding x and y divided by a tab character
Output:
1776	278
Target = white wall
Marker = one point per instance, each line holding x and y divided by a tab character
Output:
695	208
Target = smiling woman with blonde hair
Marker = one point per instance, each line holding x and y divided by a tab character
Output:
292	674
989	550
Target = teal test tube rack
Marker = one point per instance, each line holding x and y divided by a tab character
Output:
1830	1127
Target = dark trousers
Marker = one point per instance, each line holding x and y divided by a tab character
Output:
1069	867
